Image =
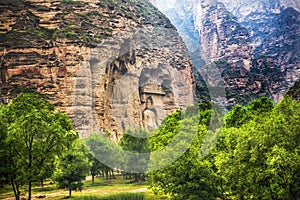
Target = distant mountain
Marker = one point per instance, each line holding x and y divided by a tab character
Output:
254	44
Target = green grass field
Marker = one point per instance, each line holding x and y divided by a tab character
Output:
114	189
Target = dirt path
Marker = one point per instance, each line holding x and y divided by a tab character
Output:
139	190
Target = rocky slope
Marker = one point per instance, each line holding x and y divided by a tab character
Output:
294	91
243	9
252	43
110	65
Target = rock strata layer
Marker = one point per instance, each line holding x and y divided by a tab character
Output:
111	65
253	44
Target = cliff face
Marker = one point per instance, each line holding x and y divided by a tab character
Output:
275	29
253	44
110	65
243	9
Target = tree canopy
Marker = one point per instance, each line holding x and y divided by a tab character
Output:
73	166
261	158
34	134
254	156
188	176
105	152
136	158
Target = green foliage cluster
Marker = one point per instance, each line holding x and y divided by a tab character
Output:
260	157
232	73
104	155
135	164
240	115
188	176
256	157
125	156
73	167
41	33
33	137
71	2
294	91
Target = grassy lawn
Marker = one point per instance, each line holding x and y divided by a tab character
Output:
101	187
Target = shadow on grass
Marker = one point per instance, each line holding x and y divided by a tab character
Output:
120	196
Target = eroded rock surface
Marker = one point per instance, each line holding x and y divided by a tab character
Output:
100	61
253	44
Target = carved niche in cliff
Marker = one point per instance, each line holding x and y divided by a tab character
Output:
155	95
128	83
149	115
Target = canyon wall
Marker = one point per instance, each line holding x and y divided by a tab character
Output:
111	65
254	44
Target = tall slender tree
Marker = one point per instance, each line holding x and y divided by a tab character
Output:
35	134
4	172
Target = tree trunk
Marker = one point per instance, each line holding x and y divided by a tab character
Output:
29	190
16	189
14	184
70	189
93	179
113	175
222	191
30	168
42	183
106	174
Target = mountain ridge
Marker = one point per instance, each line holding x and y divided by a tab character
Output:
80	54
238	34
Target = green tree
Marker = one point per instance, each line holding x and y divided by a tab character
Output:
105	151
73	167
95	168
46	172
239	115
136	141
4	172
189	176
166	132
260	159
35	134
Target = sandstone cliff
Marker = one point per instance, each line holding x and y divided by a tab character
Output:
111	65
